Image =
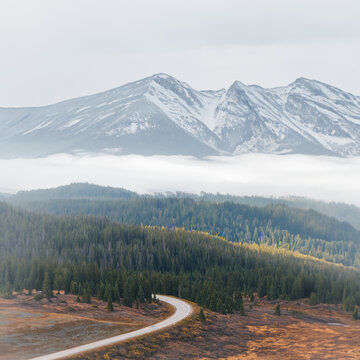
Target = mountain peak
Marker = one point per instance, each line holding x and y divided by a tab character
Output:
162	76
160	115
302	80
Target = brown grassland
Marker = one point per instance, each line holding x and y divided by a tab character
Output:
30	328
301	332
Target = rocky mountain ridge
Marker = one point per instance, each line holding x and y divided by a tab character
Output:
162	115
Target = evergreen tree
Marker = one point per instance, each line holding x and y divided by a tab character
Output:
87	295
277	310
261	288
116	294
314	299
46	287
238	300
242	310
229	304
140	295
355	313
100	292
220	308
213	301
127	300
202	316
8	290
110	306
74	289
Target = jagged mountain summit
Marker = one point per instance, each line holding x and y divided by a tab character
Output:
162	115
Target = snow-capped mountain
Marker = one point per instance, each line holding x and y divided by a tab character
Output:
161	115
306	116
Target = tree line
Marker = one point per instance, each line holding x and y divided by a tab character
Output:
91	256
305	231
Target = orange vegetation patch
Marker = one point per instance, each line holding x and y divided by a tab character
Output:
30	328
301	332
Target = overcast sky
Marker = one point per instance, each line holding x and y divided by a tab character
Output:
54	50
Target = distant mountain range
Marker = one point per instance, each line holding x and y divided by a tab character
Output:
162	115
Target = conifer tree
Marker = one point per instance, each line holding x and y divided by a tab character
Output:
238	300
213	301
314	299
202	316
127	299
8	290
46	287
355	313
74	287
87	295
229	304
110	306
100	292
141	295
116	294
242	310
277	310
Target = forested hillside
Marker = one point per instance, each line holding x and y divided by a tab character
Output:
341	211
306	231
92	256
74	191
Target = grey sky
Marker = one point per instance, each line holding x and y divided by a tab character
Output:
54	50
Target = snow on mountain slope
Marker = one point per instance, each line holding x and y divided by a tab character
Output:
156	115
162	115
185	106
306	117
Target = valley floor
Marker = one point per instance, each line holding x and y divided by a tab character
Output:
30	328
301	332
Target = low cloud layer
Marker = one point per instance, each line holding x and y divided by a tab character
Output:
326	178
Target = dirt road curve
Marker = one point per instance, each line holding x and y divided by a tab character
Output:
183	310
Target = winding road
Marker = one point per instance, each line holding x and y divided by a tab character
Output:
183	310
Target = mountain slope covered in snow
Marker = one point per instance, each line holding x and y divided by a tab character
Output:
162	115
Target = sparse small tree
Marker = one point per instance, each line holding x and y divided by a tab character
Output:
314	299
110	306
277	310
46	287
202	316
87	295
355	313
8	291
242	310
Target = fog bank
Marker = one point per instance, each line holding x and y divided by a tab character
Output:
324	178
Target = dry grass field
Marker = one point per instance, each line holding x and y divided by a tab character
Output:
29	328
301	332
